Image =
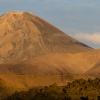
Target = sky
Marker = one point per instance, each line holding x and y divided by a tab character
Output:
78	18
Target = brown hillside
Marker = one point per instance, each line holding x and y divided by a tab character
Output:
54	64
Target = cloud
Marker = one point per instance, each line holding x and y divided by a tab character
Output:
93	38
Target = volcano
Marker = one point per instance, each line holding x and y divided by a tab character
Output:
24	35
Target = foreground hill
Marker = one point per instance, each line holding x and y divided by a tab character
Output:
77	90
47	70
24	35
54	64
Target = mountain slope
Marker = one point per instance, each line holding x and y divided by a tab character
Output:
95	71
24	36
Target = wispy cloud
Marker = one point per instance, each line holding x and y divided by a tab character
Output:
93	38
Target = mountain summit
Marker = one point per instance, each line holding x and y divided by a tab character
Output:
24	35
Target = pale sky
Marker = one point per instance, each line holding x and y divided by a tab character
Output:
78	18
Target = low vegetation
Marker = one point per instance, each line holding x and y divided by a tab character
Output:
77	90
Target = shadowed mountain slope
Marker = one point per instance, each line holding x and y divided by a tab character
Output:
95	71
24	35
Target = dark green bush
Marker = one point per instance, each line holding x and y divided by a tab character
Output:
77	90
